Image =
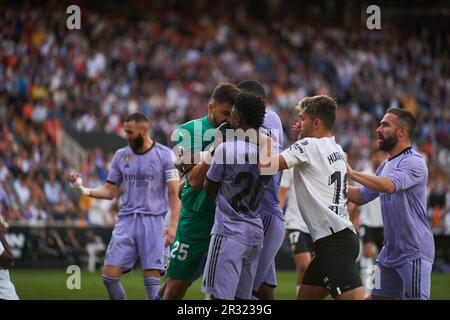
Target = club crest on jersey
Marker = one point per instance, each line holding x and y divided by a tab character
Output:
304	142
127	159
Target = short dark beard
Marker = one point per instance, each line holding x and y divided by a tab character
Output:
137	143
388	144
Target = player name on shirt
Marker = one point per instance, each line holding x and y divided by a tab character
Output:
335	156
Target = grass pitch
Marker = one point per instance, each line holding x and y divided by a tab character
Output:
52	284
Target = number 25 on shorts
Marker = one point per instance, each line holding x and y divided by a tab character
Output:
179	251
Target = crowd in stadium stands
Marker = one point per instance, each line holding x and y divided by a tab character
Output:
167	64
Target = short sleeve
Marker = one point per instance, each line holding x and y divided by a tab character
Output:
286	178
368	194
297	153
114	174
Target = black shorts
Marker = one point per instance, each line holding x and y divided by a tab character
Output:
373	235
300	241
334	264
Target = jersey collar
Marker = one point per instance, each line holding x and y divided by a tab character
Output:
402	152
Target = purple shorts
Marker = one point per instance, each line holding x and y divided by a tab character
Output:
410	281
137	236
273	239
230	268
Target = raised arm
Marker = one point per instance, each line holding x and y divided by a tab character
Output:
108	191
375	183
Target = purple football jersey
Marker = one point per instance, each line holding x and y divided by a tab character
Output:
238	202
272	125
144	178
407	233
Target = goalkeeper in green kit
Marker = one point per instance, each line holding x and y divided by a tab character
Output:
191	242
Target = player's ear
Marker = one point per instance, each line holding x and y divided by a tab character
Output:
210	106
316	123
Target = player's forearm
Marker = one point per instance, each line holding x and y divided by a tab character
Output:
375	183
175	206
197	175
354	196
282	196
272	165
101	193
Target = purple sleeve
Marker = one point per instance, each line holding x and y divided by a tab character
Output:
216	169
114	174
368	194
409	172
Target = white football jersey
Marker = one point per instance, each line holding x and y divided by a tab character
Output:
320	178
7	290
293	216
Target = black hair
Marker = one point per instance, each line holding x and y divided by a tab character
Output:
251	109
137	116
407	117
225	92
252	86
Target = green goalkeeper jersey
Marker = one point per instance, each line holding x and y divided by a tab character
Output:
197	210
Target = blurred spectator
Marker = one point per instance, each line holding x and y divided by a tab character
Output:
22	189
52	189
95	248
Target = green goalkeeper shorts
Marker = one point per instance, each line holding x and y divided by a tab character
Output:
186	256
190	245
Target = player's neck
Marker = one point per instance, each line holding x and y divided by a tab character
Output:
399	147
322	134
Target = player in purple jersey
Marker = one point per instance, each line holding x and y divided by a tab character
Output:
271	214
403	269
150	181
237	234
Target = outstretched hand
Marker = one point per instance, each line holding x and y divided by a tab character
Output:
169	233
75	181
349	169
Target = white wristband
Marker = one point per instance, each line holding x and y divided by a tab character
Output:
85	191
206	157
